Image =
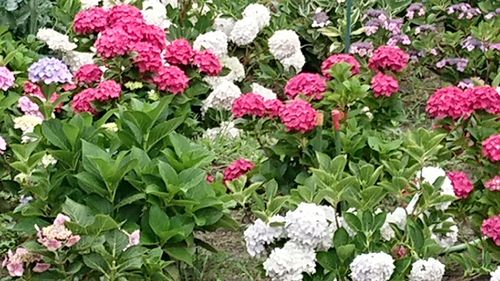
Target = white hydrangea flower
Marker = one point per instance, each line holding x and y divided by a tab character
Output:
48	160
111	3
284	44
236	73
222	97
448	239
266	93
110	127
296	61
89	3
244	31
225	130
311	225
76	59
224	25
427	270
155	13
430	175
372	267
260	234
172	3
290	262
27	123
215	41
55	40
397	217
343	222
258	13
495	275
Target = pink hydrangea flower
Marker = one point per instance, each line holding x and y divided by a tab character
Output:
237	169
493	184
14	262
207	62
491	229
179	52
27	106
334	59
491	148
389	58
462	185
113	42
88	74
61	219
148	58
299	116
133	239
3	145
56	236
154	35
91	20
449	102
273	107
309	84
41	267
33	90
7	79
384	85
172	79
123	14
249	105
82	102
485	98
108	90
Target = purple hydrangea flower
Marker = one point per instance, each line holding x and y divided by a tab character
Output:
399	39
464	10
362	49
372	26
320	19
424	28
49	70
394	25
415	8
377	14
470	43
494	47
466	84
6	78
459	63
3	145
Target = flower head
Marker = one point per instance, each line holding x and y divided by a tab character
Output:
91	20
55	40
427	270
260	234
113	42
207	62
172	79
462	185
495	275
273	107
309	84
147	58
82	102
372	267
390	58
123	14
222	97
284	44
49	71
362	49
237	169
3	145
492	184
290	262
266	93
179	52
485	98
491	148
7	78
491	229
338	58
88	74
224	25
449	102
299	116
215	41
244	31
107	90
250	104
56	236
384	85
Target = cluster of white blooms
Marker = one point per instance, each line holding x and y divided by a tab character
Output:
284	45
155	13
75	59
495	275
447	239
221	97
55	40
427	270
397	217
236	72
343	223
111	3
215	41
27	124
290	262
266	93
224	25
255	18
48	160
226	130
311	225
260	234
430	175
85	4
372	267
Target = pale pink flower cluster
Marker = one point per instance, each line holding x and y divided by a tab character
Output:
491	148
493	184
16	261
56	235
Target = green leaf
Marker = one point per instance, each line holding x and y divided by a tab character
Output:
161	131
181	253
53	131
79	213
96	262
159	222
101	224
345	252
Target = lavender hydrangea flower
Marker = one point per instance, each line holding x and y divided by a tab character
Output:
377	14
320	19
470	43
362	49
459	63
464	10
415	8
6	78
399	39
372	26
49	70
466	84
394	25
494	47
424	28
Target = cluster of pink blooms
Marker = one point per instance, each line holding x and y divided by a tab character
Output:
491	148
179	52
493	184
462	185
29	107
484	98
56	235
309	84
338	58
172	79
237	169
254	105
207	62
491	229
387	58
16	261
384	85
299	116
88	74
449	102
104	92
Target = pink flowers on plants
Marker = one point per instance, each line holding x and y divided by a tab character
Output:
491	148
237	169
148	57
384	85
389	58
82	102
491	229
113	42
88	74
309	84
56	236
493	184
123	14
92	20
107	91
299	116
485	98
462	185
449	102
172	79
179	52
334	59
16	261
207	62
249	105
7	78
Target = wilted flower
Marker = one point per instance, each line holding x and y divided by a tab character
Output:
491	229
15	262
260	234
427	270
372	267
290	262
133	239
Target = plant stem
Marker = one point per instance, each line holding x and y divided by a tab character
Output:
349	27
461	247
